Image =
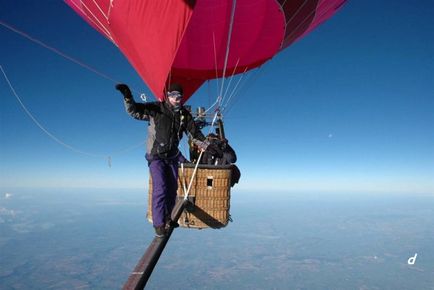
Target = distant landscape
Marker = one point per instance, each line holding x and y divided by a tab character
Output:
92	239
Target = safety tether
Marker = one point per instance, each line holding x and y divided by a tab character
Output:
108	157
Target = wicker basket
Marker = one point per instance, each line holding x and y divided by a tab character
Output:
210	191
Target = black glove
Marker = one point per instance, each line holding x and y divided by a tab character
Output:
125	90
214	150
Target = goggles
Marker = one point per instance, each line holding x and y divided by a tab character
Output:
174	94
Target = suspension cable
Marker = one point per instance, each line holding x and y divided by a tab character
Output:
234	90
58	52
252	78
95	19
215	63
326	10
295	13
61	53
55	138
234	3
219	96
186	192
230	80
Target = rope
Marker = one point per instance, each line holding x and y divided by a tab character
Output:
99	8
40	125
187	192
234	90
252	77
215	63
56	139
234	3
234	93
58	52
99	24
192	176
219	96
183	179
210	107
295	14
109	10
230	80
306	18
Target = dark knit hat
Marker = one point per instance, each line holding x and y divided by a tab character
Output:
175	87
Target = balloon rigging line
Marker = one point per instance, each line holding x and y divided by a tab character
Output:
227	88
128	149
39	124
230	80
290	35
99	8
219	94
193	175
56	139
299	25
99	24
197	162
210	107
306	18
60	53
252	77
215	63
235	92
295	14
234	89
186	192
109	9
231	25
88	67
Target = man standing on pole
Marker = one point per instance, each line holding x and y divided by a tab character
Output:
168	121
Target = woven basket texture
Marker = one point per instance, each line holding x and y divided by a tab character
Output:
211	192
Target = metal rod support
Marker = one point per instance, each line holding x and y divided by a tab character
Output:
143	270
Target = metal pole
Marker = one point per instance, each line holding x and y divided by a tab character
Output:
143	270
221	129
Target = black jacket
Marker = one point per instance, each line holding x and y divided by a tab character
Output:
227	154
166	126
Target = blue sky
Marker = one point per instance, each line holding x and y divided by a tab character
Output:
350	107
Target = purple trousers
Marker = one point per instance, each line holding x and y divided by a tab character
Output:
164	186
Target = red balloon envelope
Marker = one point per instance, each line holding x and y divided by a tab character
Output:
189	42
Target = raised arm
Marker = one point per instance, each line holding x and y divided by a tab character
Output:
137	110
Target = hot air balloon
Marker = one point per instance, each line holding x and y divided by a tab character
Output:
190	42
